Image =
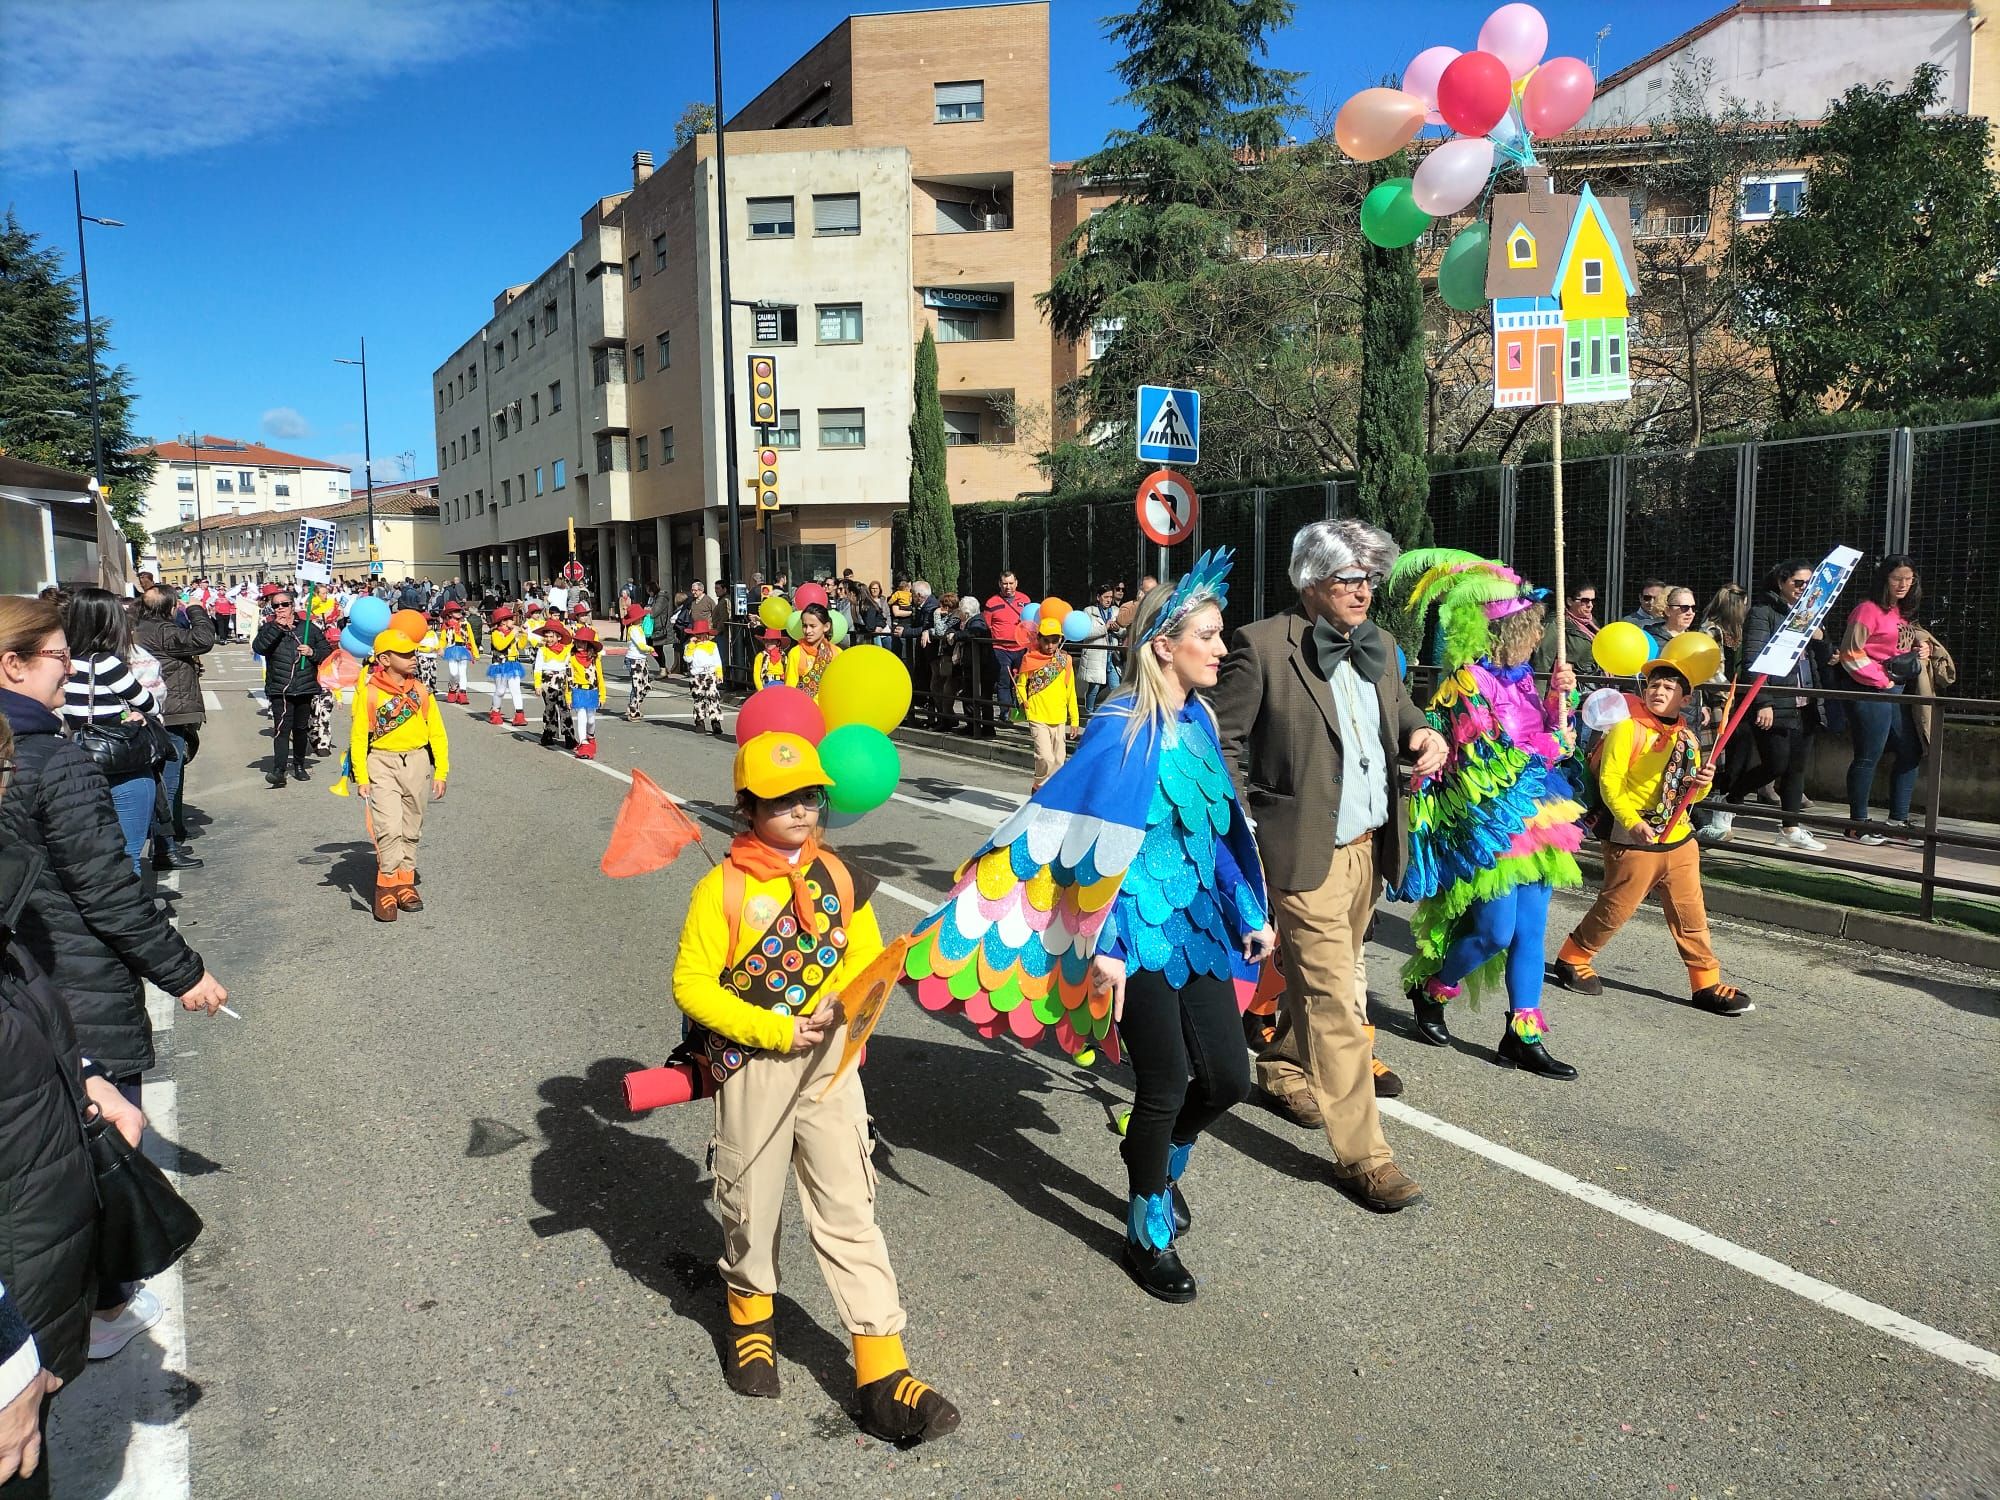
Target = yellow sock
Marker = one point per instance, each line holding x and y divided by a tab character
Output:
748	1307
876	1355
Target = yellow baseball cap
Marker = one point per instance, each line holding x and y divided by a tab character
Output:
394	640
774	763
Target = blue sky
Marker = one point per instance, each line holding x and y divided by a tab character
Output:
295	174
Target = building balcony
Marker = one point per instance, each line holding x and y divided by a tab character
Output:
1671	227
963	203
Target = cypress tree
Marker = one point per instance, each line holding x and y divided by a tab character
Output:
930	546
1389	427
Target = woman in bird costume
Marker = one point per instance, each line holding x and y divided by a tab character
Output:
1124	906
1496	831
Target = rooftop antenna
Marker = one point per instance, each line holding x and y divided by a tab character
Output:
1597	57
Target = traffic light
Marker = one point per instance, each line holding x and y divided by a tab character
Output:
763	390
767	479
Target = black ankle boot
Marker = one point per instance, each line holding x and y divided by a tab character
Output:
1430	1024
299	772
1530	1057
1155	1266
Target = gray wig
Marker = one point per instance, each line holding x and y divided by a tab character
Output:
1327	547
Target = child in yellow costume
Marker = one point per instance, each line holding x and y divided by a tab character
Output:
1646	764
552	653
396	745
506	645
772	936
807	662
1047	686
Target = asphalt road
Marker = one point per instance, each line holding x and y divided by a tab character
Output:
441	1259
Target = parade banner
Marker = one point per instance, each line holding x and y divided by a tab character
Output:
1781	653
315	559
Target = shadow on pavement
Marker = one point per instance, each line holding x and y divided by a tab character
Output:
352	871
1978	999
91	1435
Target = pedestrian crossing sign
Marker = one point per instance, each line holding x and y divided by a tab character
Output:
1169	425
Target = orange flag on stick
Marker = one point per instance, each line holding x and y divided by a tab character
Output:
650	832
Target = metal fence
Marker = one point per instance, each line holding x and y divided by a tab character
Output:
1700	518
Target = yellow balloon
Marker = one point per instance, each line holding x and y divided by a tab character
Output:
1695	653
775	611
865	685
1620	649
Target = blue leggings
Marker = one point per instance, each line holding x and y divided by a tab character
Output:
1514	924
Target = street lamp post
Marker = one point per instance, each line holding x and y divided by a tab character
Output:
367	451
734	478
192	440
90	332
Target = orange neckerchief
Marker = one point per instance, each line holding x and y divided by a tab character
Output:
760	861
379	677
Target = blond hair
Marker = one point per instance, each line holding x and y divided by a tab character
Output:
1146	690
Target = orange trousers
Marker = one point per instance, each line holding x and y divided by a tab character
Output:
1630	875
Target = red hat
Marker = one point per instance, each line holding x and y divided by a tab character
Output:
454	608
700	627
580	608
634	615
552	630
267	590
585	636
770	633
534	606
503	614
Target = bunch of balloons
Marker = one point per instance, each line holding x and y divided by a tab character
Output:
366	619
1498	99
863	694
780	613
1621	649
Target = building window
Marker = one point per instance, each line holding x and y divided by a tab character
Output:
538	479
1102	332
843	427
1596	357
770	218
282	489
479	502
184	481
836	213
1615	350
956	103
642	454
514	344
555	398
499	426
663	351
440	398
840	323
475	440
444	458
1593	277
1576	359
506	492
638	361
958	327
1513	354
607	367
223	486
777	325
634	271
659	252
956	217
786	433
187	510
548	317
562	473
666	445
1520	248
1767	197
531	333
246	481
612	455
961	428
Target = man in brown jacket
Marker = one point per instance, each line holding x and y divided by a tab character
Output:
1312	711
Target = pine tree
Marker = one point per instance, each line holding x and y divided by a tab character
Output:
45	377
1389	429
930	546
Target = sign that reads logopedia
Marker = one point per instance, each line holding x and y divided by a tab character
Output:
964	298
315	560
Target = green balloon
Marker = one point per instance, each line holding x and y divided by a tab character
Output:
1462	272
864	766
1390	216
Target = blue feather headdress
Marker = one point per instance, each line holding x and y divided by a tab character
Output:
1207	582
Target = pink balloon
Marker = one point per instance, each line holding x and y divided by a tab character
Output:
780	710
1421	78
1517	35
808	593
1557	96
1452	175
1474	92
1378	122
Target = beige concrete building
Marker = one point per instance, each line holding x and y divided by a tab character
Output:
895	178
227	476
263	546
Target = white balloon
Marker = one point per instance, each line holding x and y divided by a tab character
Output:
1453	175
1604	708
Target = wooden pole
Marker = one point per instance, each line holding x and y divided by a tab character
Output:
1561	600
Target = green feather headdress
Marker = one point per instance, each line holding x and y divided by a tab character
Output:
1469	593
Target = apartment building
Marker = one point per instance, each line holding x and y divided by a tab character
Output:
225	476
262	546
896	177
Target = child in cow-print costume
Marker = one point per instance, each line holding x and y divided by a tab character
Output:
704	664
638	660
552	682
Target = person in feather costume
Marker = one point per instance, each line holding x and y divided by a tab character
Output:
1124	906
1496	831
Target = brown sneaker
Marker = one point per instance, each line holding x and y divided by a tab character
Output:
406	893
1388	1083
1299	1105
1382	1189
385	901
899	1408
749	1358
1578	976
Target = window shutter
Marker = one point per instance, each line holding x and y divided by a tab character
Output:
837	213
961	93
963	424
770	213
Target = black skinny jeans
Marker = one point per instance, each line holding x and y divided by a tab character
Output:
293	717
1782	753
1189	1068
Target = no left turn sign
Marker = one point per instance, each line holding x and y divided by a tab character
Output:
1167	507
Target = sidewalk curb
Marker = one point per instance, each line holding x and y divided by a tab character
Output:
1003	749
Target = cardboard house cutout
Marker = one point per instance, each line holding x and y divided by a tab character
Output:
1559	273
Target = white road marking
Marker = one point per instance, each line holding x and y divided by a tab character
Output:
210	702
156	1453
969	812
1777	1273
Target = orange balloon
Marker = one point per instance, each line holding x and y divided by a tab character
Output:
1378	122
411	622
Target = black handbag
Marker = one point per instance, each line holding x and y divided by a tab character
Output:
1904	666
122	749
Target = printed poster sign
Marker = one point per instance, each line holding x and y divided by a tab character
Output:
1781	653
315	560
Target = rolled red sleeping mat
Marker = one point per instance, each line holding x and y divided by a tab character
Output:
675	1083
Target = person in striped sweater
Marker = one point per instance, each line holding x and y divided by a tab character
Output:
103	689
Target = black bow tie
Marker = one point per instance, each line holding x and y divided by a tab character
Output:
1364	647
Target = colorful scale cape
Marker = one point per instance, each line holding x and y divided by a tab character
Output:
1498	815
1143	850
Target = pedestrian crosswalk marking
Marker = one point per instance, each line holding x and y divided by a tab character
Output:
1169	429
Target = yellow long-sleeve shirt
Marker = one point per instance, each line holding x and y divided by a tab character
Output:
1054	704
414	733
1629	772
698	988
586	673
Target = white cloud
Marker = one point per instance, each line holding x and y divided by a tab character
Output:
285	422
90	81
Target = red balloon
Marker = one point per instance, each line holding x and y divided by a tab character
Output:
1473	92
1559	93
780	710
808	593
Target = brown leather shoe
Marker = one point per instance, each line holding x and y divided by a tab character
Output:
1388	1083
385	901
1299	1106
406	892
1382	1190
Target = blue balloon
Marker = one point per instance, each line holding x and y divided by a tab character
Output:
356	645
1652	648
1030	613
1077	625
368	618
1402	664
